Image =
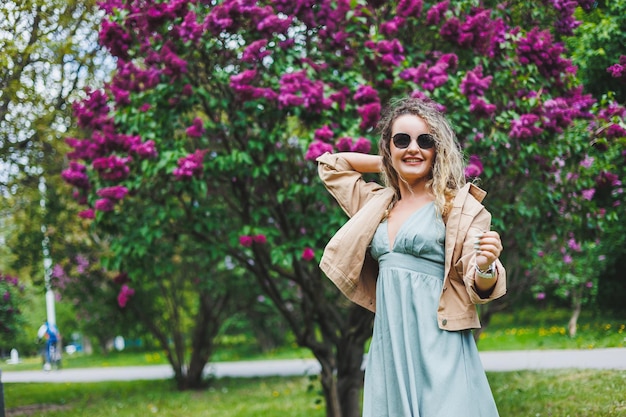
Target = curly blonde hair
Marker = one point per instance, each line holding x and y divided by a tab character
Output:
448	173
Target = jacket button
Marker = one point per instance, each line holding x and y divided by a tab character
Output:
444	322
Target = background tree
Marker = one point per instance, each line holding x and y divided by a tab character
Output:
49	53
10	316
201	148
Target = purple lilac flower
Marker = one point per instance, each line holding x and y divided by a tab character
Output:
324	134
187	90
340	97
190	165
124	295
273	24
389	53
174	65
541	296
612	110
316	149
565	23
115	39
477	31
607	179
538	48
76	175
437	13
524	127
87	214
480	108
567	259
145	149
256	51
82	263
587	161
117	192
573	245
344	144
391	27
617	70
588	193
104	204
121	96
196	130
92	112
362	145
450	29
474	167
311	92
474	84
370	114
558	114
308	254
245	241
112	167
260	239
409	8
83	148
366	94
58	271
190	30
614	131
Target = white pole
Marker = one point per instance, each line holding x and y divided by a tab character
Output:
47	262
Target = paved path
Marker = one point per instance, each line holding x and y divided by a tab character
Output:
613	358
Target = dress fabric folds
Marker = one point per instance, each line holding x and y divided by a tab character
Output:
413	368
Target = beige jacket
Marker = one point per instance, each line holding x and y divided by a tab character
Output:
348	263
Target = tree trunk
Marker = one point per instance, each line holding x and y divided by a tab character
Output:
342	365
573	321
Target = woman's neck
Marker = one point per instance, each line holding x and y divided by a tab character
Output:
415	192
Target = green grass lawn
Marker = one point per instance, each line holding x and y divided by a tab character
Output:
518	394
547	329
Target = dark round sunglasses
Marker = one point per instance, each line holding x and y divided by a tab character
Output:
403	140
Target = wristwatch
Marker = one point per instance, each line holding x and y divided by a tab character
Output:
488	274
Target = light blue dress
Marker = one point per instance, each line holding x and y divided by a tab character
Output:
415	369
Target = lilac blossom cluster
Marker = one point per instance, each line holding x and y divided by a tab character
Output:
565	23
474	86
538	48
369	106
190	166
109	153
124	296
231	15
248	240
387	53
431	77
297	89
478	32
618	70
322	143
474	167
559	113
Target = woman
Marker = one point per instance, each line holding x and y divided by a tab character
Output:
419	252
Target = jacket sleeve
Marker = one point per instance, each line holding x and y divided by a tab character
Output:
467	262
345	184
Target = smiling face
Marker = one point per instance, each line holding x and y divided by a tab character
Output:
413	163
